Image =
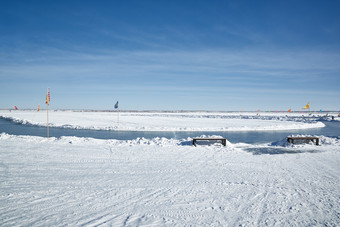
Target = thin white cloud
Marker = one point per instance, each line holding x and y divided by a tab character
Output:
202	62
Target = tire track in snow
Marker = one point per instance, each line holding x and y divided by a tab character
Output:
103	216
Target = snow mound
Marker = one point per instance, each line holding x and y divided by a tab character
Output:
323	141
160	142
330	141
326	144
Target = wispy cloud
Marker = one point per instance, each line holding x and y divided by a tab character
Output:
177	74
205	63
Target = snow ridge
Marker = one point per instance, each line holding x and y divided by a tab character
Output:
164	121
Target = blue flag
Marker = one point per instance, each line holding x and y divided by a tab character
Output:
116	105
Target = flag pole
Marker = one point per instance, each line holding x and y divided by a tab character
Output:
117	107
118	117
47	103
47	123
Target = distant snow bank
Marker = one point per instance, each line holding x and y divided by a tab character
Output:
165	121
326	143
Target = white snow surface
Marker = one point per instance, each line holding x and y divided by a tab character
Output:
159	121
166	182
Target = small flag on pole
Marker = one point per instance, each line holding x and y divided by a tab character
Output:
48	98
116	105
307	106
15	107
38	108
290	110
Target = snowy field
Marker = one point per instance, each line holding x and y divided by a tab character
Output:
163	182
167	182
166	121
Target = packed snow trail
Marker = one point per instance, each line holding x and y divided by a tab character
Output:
160	182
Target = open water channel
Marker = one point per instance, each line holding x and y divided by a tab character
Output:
332	129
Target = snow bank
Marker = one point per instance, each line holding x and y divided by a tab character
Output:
323	141
164	182
106	142
164	121
326	144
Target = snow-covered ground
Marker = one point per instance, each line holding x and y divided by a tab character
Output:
166	121
165	182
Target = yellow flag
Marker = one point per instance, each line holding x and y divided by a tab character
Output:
307	106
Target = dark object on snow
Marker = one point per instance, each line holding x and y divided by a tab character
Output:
223	140
291	139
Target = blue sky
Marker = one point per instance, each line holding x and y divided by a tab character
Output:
170	55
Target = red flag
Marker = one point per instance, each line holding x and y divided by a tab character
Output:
15	107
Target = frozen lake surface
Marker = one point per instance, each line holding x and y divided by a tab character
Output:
10	127
167	122
247	128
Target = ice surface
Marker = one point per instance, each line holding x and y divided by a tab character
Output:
166	182
165	121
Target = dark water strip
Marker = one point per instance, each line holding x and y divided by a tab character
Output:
332	129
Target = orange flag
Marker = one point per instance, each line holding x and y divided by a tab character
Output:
48	98
306	107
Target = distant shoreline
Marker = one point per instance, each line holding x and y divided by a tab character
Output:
185	111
